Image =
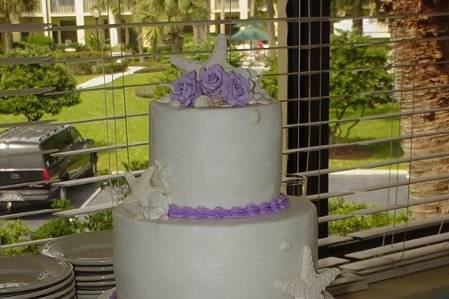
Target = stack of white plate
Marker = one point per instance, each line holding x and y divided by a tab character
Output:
91	257
23	277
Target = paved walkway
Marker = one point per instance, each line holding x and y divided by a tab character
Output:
105	79
364	179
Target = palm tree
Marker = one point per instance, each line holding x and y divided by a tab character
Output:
117	8
270	15
10	12
425	70
169	11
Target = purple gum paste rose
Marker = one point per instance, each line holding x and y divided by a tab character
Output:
211	80
186	89
236	90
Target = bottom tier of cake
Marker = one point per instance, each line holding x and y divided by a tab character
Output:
203	259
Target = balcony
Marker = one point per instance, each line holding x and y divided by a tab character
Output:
232	5
62	7
67	8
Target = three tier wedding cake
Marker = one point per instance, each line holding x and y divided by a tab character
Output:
207	219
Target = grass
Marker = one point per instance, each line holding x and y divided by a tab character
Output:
108	103
370	130
83	78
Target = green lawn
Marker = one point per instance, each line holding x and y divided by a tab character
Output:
370	130
83	78
100	104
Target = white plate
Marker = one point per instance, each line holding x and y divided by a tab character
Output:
104	283
85	249
97	269
25	273
55	288
93	277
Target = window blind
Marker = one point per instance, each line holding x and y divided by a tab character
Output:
389	135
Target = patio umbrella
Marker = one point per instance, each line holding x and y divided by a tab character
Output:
250	32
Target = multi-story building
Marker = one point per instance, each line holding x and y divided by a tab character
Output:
84	13
76	13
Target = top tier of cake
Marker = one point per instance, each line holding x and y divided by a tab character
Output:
218	157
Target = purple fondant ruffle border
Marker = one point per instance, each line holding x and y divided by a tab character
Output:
267	208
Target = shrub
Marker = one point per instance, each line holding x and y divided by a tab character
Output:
108	68
93	42
146	92
34	76
83	67
98	221
353	224
270	83
136	165
152	69
39	40
14	231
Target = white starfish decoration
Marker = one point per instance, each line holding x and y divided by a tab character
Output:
218	56
149	197
310	284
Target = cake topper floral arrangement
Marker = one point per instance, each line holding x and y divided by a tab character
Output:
215	83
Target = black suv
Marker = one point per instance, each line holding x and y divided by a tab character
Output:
28	166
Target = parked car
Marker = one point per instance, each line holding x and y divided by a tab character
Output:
30	164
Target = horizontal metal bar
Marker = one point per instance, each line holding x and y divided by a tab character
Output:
108	118
229	21
334	217
332	240
367	118
26	60
27	184
96	179
27	243
398	228
98	149
380	209
398	206
400	246
25	92
87	210
375	165
363	142
321	196
27	214
411	181
25	123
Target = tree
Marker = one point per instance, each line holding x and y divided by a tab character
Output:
31	76
117	8
169	11
10	12
357	72
270	15
422	76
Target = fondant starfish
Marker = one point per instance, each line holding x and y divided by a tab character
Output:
150	197
310	284
218	56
